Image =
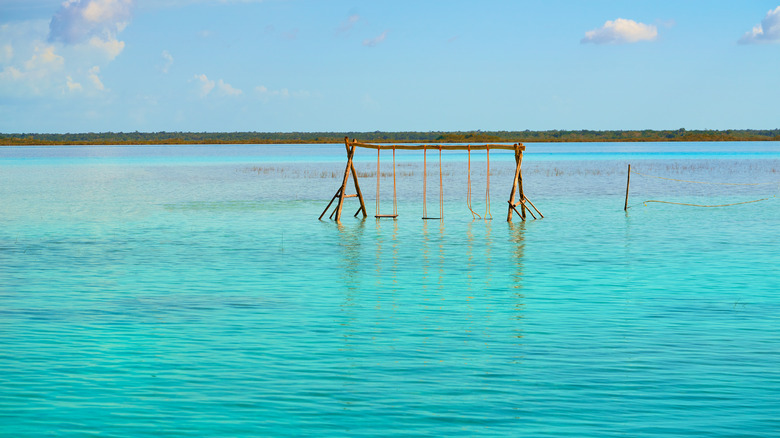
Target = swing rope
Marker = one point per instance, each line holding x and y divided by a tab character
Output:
376	214
425	186
474	214
425	182
395	196
488	216
441	189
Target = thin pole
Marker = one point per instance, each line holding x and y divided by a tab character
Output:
628	183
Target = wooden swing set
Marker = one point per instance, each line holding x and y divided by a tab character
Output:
526	206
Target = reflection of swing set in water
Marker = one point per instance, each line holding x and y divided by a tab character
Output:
517	183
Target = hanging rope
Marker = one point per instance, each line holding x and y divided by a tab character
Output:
378	179
488	216
425	181
376	210
425	186
474	214
395	197
441	189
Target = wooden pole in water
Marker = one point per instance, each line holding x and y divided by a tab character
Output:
628	182
517	186
342	195
520	183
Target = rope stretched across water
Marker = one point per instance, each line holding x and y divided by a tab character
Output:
704	182
700	205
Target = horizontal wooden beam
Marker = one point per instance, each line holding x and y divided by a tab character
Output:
445	147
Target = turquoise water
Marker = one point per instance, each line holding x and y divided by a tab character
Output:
190	291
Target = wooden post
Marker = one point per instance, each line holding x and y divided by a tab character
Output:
517	187
357	186
341	193
343	190
520	183
628	182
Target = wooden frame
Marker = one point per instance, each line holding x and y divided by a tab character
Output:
341	192
517	182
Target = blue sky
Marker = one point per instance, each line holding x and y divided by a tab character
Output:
333	65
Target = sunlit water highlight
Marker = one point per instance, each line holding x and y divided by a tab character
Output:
190	291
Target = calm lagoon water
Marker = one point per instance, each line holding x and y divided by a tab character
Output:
190	291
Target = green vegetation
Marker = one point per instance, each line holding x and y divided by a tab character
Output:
129	138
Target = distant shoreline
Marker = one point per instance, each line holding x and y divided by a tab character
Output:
227	138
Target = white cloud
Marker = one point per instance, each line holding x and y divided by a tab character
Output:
372	42
78	21
10	74
95	23
73	86
35	75
348	24
168	61
6	53
227	90
180	3
32	65
95	79
264	92
44	60
110	47
283	93
768	31
205	85
621	31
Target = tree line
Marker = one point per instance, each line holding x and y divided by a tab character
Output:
527	136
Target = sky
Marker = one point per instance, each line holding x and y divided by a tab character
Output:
70	66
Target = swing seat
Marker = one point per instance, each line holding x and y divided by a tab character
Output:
378	216
434	218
